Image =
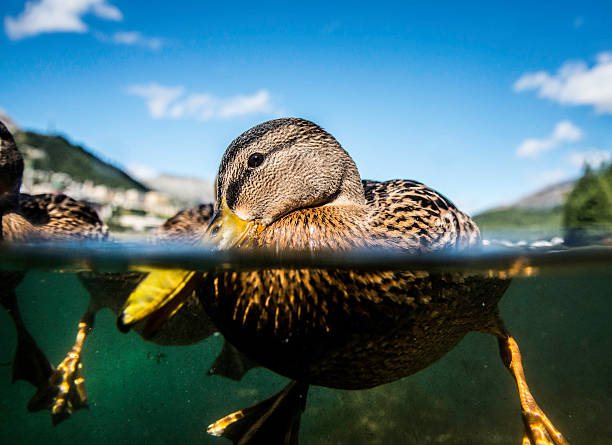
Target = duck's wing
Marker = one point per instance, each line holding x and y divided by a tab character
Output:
187	226
61	217
409	215
151	298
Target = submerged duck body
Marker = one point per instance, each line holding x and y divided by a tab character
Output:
354	329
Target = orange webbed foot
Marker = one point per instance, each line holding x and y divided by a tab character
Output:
64	392
539	430
273	421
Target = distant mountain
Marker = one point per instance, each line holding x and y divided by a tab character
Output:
191	191
538	215
548	197
56	154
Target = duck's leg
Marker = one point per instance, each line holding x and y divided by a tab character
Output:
274	421
64	392
30	363
539	430
231	363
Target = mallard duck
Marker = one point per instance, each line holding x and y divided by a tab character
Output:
287	185
27	218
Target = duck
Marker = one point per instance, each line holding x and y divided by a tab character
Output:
50	217
31	218
287	185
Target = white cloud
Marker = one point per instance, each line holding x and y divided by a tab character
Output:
158	97
136	38
564	131
604	57
592	157
235	106
45	16
574	83
130	38
105	10
172	103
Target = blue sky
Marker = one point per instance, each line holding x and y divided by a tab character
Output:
482	102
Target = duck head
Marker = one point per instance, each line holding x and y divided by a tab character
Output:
275	168
11	169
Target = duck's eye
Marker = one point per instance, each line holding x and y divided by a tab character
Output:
255	160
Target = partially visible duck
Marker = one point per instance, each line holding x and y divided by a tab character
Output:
27	218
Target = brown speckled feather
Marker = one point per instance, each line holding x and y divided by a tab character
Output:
413	216
63	216
52	217
187	226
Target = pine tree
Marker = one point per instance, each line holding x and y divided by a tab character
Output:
587	214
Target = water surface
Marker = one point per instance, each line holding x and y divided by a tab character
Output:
558	307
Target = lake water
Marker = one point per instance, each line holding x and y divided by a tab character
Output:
558	307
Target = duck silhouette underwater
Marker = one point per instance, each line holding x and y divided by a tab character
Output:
288	185
49	217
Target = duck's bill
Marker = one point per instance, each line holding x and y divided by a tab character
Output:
227	230
157	298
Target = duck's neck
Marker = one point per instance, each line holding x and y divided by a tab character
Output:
329	227
351	191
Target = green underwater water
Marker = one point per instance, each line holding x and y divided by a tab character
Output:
140	392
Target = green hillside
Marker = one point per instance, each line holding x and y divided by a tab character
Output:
583	217
516	223
62	156
501	218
